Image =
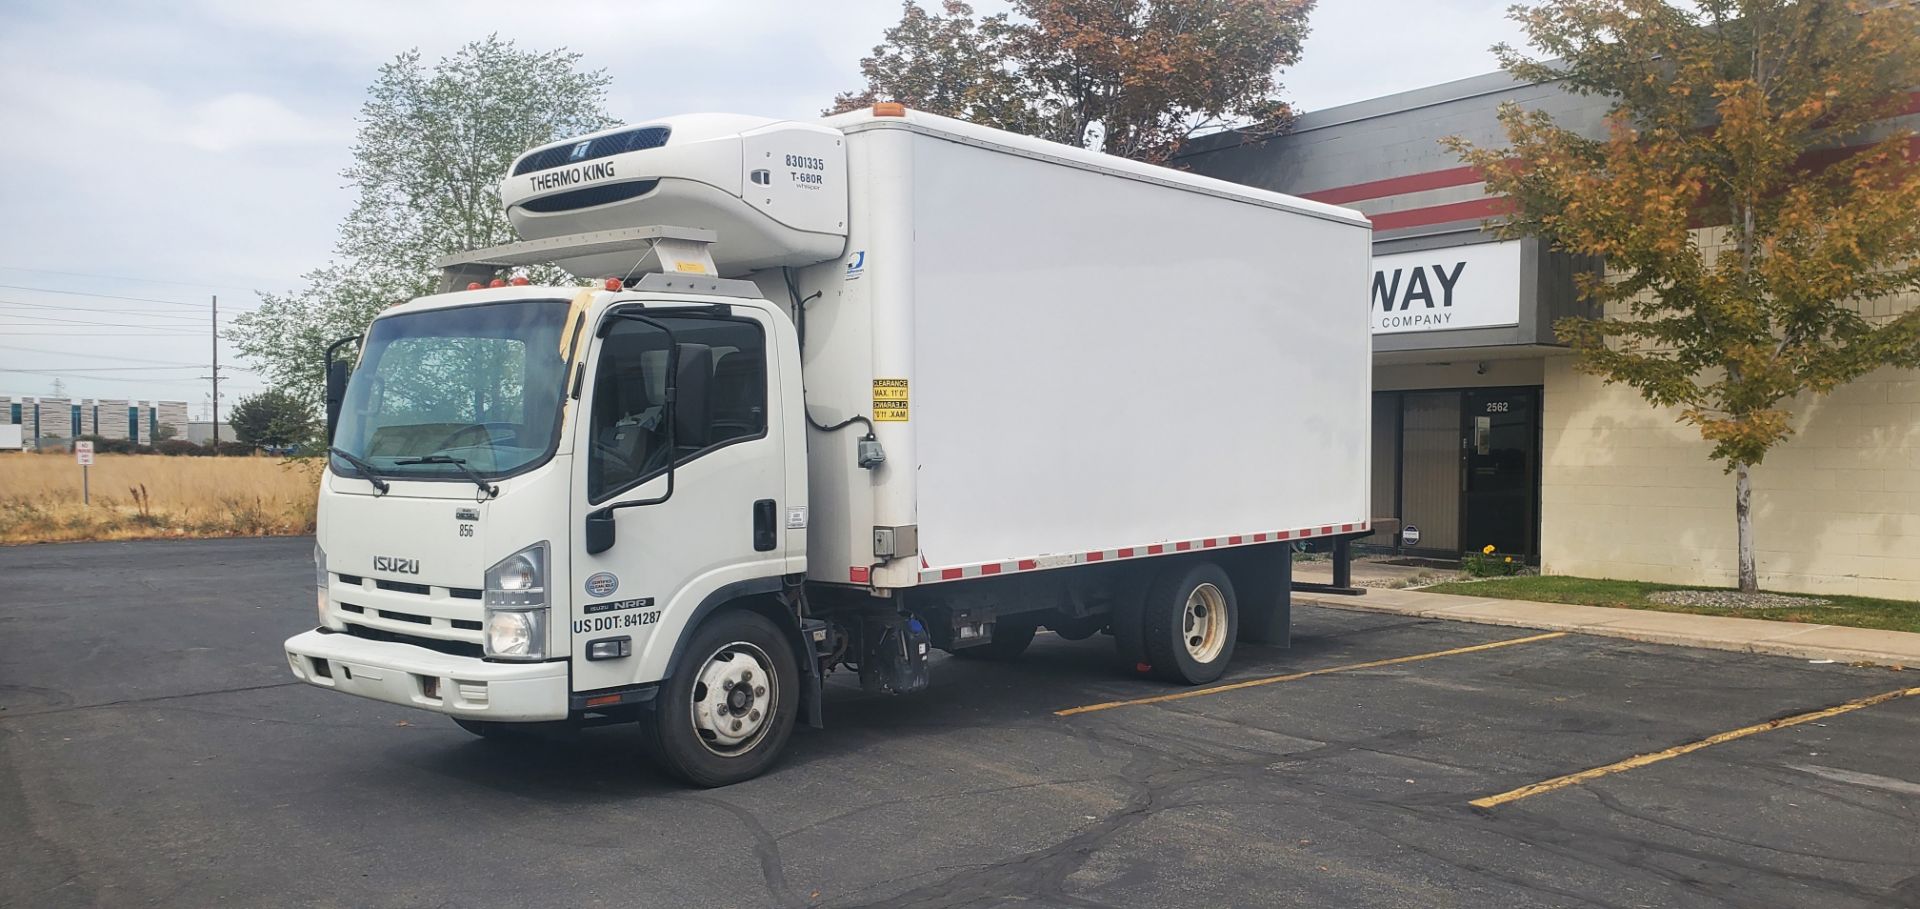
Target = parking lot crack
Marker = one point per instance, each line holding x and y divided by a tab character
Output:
766	848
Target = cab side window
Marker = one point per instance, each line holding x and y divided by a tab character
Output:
720	384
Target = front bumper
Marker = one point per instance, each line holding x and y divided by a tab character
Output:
417	677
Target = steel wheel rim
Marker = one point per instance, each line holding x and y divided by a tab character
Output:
1203	623
735	695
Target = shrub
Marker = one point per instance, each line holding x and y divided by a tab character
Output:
1490	564
178	447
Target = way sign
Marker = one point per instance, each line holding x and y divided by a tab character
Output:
83	453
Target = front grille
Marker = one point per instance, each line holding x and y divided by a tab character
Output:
454	648
599	147
403	617
589	197
403	587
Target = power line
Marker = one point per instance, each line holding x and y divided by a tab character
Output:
128	359
128	278
146	313
82	293
107	324
66	369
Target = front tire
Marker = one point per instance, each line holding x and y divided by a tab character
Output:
1189	623
727	714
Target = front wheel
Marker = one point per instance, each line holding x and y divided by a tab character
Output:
1189	622
727	714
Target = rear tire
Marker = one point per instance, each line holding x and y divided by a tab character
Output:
726	715
1189	623
1009	642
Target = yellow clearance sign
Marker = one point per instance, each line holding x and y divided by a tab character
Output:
890	400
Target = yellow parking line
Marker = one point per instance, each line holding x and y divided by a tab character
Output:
1642	760
1274	680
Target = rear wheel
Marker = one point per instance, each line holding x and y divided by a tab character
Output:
727	714
1010	640
1189	622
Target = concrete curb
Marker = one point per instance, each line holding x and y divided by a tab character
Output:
1898	649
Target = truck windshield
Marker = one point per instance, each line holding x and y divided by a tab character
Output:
472	389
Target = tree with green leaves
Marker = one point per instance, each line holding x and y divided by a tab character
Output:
433	144
274	417
1152	72
1748	198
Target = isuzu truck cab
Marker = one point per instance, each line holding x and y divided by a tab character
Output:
837	394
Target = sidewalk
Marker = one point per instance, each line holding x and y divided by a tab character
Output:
1792	639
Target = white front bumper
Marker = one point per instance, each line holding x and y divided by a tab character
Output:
417	677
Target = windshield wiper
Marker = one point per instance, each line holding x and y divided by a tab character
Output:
372	473
459	464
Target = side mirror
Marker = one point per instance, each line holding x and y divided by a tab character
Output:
337	371
599	531
336	394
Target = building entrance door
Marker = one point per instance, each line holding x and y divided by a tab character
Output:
1499	455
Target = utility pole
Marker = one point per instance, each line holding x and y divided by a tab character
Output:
215	405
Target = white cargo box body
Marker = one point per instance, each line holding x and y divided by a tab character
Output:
1099	359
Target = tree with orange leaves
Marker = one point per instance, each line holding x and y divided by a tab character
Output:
1152	72
1749	197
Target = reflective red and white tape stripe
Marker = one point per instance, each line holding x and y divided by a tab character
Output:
988	569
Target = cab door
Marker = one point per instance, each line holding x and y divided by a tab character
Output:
714	527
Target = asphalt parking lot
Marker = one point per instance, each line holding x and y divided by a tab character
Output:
155	751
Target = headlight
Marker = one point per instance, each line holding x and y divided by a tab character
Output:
516	606
520	635
518	573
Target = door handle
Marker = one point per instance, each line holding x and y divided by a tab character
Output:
764	536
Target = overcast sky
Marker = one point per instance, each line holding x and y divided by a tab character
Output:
157	154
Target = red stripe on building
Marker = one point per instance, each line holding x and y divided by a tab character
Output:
1477	209
1393	186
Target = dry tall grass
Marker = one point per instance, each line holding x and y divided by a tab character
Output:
153	497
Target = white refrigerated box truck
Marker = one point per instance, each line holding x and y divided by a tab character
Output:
855	389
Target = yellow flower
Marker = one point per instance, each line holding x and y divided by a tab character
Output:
1509	558
1489	549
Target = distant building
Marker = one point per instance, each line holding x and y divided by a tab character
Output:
64	419
200	432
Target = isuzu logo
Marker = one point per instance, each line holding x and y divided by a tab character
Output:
396	564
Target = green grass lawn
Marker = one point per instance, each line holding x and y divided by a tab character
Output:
1860	612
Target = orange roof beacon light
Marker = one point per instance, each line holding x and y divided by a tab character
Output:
519	281
889	109
496	283
473	285
613	284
